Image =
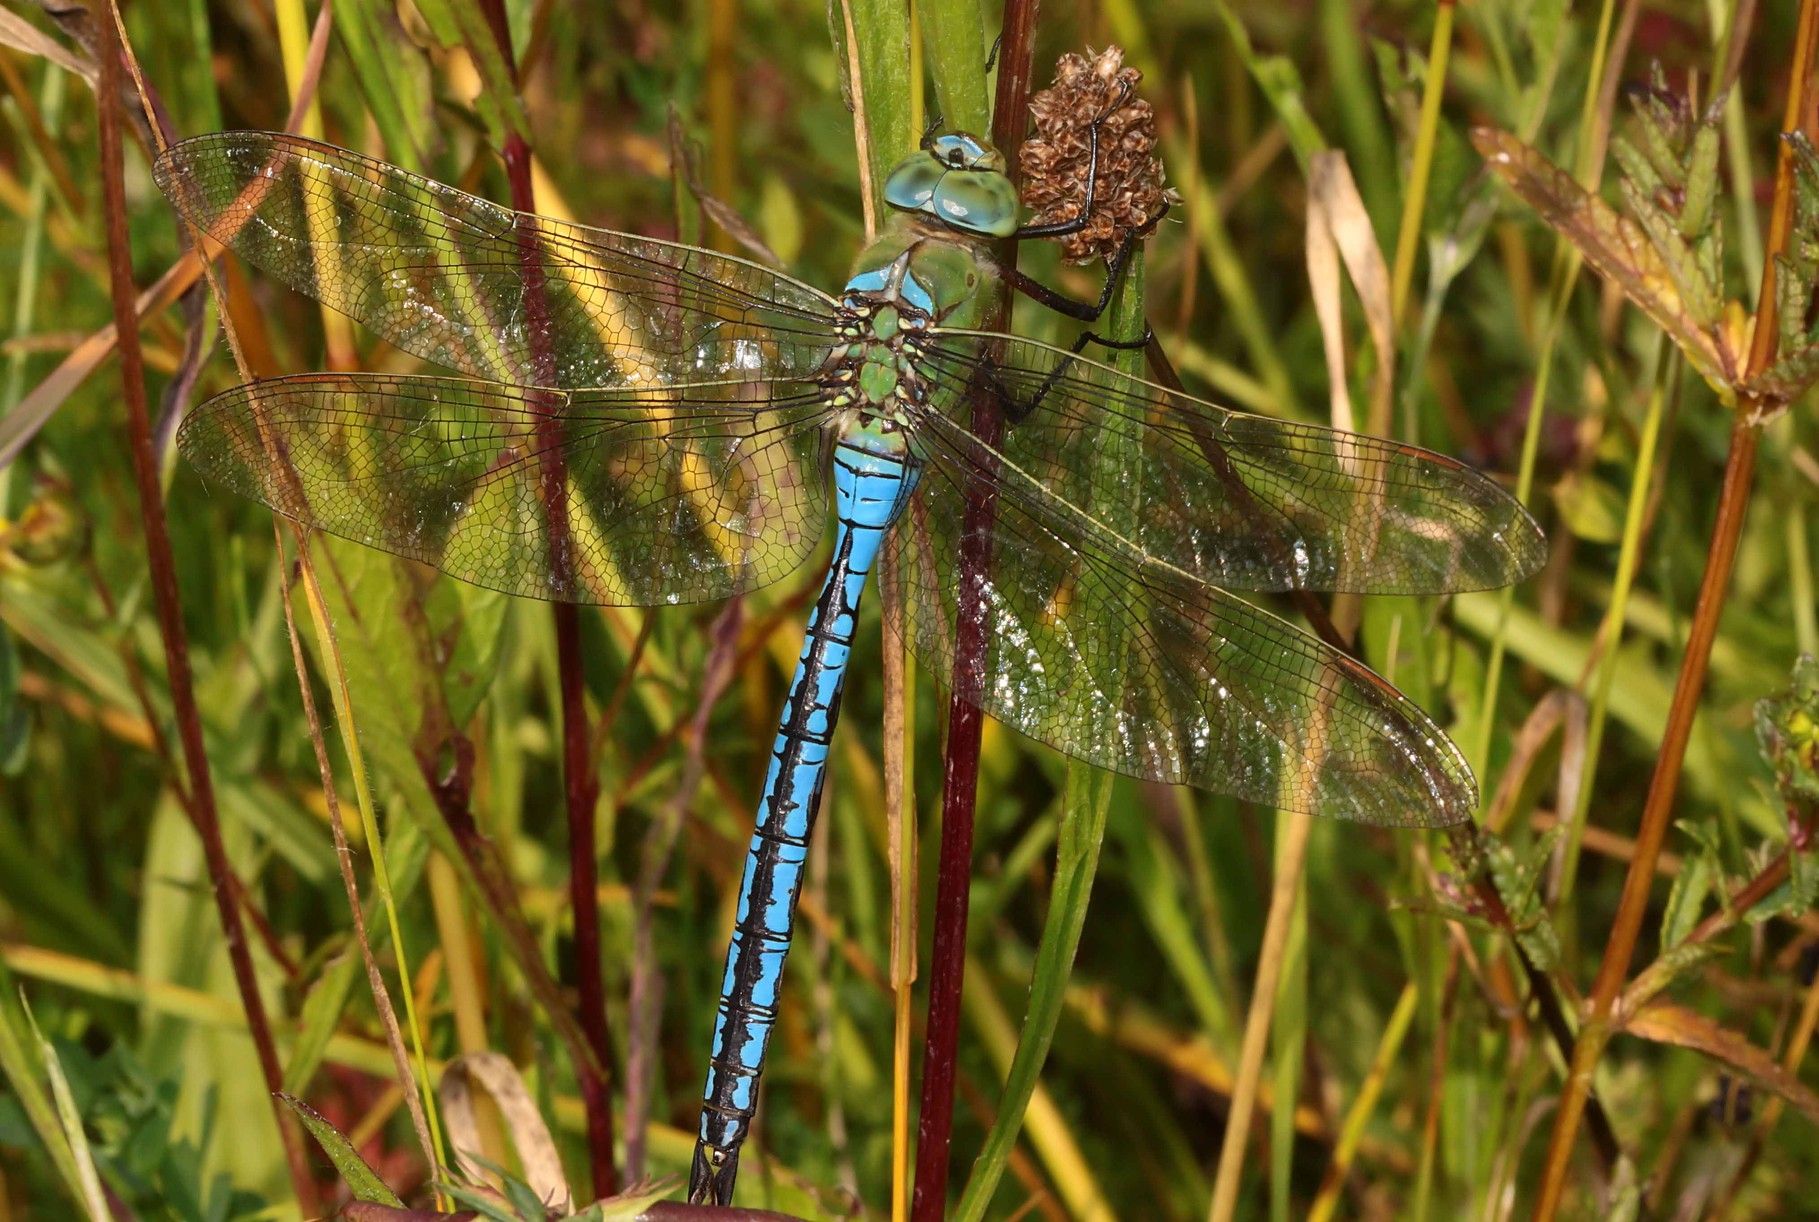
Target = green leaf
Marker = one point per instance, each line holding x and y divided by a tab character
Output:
323	1007
460	23
1517	877
1591	508
21	1063
394	79
361	1179
1699	874
1787	379
15	725
1700	296
1668	967
954	40
1701	181
69	1118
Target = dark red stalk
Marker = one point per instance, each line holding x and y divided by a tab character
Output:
582	787
965	721
162	567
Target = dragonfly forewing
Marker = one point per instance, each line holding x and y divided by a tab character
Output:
1241	501
484	290
669	495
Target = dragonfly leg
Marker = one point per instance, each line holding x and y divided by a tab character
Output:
1060	229
1086	311
1017	408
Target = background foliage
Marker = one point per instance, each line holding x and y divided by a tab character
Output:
1406	1029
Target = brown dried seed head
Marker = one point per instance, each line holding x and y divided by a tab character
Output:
1128	191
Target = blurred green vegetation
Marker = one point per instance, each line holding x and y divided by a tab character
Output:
106	922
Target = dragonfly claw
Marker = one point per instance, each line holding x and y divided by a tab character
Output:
710	1180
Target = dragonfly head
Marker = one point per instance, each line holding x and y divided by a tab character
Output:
958	180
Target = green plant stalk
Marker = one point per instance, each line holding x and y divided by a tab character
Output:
1800	580
1049	1134
31	253
329	650
954	41
1564	276
1414	202
878	42
1085	805
1628	554
1351	1131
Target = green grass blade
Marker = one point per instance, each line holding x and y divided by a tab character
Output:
360	1178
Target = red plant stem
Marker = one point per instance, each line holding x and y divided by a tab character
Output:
1613	970
162	567
580	784
1657	810
965	721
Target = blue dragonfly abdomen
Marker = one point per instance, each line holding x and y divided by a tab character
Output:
873	477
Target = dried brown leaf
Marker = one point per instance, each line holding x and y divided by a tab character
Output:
499	1078
1617	249
1667	1023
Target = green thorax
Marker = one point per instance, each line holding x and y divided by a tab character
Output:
929	268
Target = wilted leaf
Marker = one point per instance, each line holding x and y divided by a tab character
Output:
499	1078
1700	294
1667	1023
1615	246
360	1178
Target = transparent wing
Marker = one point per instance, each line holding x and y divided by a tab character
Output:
1244	501
443	274
666	495
1138	667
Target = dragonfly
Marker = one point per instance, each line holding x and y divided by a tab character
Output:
642	422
